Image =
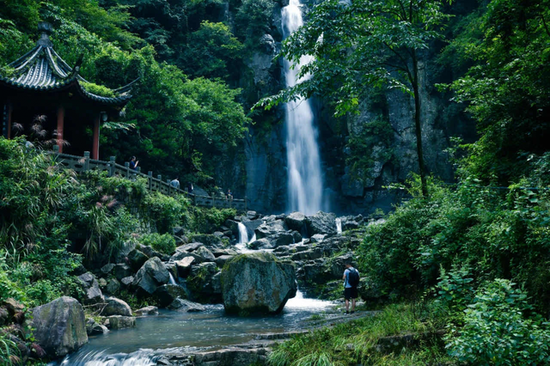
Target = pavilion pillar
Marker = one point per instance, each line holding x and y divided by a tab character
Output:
95	146
8	127
60	123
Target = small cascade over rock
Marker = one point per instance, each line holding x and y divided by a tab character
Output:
339	226
171	281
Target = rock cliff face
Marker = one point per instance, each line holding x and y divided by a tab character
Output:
257	168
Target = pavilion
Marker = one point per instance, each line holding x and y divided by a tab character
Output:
41	83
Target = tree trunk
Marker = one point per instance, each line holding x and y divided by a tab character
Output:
418	128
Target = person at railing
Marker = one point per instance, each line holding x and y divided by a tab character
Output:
134	163
190	188
175	183
229	195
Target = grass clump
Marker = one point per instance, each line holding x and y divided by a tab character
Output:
164	243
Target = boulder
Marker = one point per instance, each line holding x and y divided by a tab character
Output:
317	238
112	286
184	266
148	310
166	294
188	247
260	244
152	274
296	221
93	294
297	237
209	240
150	252
106	269
116	307
251	225
218	252
127	281
257	283
120	322
60	326
201	254
321	223
186	305
93	328
137	258
276	232
122	270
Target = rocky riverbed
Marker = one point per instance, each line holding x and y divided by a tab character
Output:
204	280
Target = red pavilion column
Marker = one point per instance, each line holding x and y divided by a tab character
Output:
95	146
60	122
10	110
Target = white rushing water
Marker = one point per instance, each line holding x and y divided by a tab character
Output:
171	281
305	183
300	303
339	226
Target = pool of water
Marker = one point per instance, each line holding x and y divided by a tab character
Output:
211	328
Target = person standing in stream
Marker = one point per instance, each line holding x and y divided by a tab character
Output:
351	281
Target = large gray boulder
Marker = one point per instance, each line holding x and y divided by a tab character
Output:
276	232
151	275
321	223
166	294
116	307
257	283
92	292
60	326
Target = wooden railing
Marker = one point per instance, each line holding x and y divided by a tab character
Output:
84	163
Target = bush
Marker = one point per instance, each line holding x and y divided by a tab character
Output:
166	212
206	220
162	243
496	332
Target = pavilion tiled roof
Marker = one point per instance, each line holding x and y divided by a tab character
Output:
42	69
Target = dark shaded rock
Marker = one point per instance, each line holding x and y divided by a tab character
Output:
113	286
186	305
106	269
127	281
148	310
166	294
209	240
120	322
201	254
257	283
251	225
137	258
204	283
307	255
116	307
231	357
223	251
93	294
321	223
151	275
188	247
297	237
261	244
122	270
183	266
296	221
60	326
150	252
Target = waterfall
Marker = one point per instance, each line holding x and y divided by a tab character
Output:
171	281
305	184
243	233
339	226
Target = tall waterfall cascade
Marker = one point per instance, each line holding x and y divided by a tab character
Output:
305	183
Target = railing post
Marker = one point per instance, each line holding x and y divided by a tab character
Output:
159	177
56	149
127	166
86	161
112	166
150	179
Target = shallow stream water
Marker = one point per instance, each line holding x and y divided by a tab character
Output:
210	329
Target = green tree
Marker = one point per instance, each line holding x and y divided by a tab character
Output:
506	42
362	43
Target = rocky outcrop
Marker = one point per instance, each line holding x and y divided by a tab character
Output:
60	326
296	221
151	275
148	310
186	305
276	232
166	294
257	283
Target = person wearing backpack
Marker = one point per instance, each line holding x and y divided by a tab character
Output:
351	281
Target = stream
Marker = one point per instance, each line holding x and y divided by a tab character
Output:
175	331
